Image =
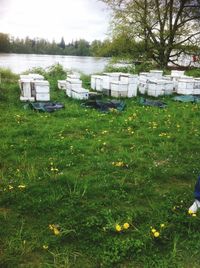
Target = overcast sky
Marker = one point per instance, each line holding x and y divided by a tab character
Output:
50	19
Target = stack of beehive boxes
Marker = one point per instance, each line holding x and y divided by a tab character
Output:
185	86
74	88
34	88
41	90
25	85
126	86
151	83
115	84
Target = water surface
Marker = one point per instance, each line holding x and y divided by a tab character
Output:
19	63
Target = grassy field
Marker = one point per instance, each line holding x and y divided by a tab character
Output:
81	188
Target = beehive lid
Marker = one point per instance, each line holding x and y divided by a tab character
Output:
74	81
112	74
96	76
41	83
25	80
156	71
36	76
81	90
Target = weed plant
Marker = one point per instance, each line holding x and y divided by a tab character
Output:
81	188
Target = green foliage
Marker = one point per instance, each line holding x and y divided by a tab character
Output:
42	46
4	42
103	181
129	67
193	72
7	74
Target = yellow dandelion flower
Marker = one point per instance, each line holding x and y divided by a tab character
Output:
126	225
194	215
162	225
45	246
21	186
190	212
51	226
56	231
118	228
153	230
156	234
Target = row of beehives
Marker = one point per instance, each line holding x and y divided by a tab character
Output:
73	87
155	84
152	83
34	88
115	84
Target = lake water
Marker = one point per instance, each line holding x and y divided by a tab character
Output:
19	63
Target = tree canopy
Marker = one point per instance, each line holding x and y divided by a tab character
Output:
165	27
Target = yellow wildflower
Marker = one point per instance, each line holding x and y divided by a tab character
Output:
162	225
153	230
126	225
118	228
21	186
194	215
190	211
45	246
51	226
156	234
56	231
119	164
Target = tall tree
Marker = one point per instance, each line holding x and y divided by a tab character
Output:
165	26
62	43
4	42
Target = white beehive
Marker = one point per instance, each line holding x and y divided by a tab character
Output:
94	82
106	82
108	78
42	97
177	73
142	86
99	83
119	89
41	90
185	87
129	78
196	86
27	92
62	84
72	83
80	94
156	74
145	74
155	88
168	87
132	90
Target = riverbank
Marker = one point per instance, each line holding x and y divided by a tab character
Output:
80	188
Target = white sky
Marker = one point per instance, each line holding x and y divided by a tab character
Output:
50	19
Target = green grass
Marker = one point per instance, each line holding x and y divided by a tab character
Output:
86	171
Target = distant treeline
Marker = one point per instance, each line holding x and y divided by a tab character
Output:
107	48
